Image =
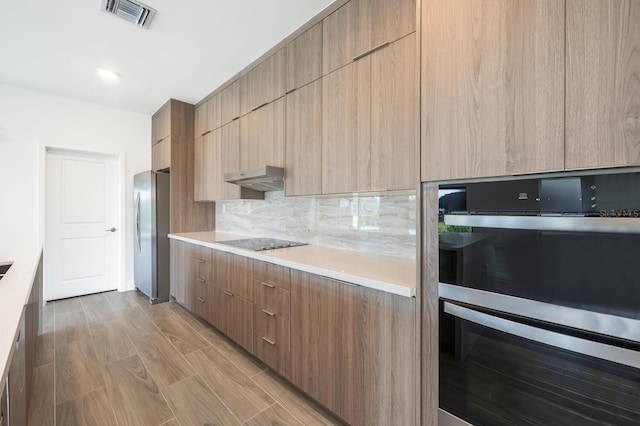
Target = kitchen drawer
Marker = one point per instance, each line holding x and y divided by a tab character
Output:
271	298
202	308
204	253
271	274
272	342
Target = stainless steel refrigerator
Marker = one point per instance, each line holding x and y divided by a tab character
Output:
151	243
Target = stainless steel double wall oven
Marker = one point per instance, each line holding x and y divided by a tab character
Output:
539	287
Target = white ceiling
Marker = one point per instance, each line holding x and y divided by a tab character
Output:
191	47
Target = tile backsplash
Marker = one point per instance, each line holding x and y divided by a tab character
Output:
384	224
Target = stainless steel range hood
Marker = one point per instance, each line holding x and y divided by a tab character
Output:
263	178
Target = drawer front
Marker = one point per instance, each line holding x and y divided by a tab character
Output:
271	274
272	342
271	298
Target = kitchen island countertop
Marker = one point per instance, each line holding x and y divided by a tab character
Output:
385	273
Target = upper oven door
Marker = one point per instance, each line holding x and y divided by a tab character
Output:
596	271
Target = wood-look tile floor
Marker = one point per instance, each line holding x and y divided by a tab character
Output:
113	359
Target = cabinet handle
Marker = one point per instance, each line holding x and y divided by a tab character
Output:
206	133
159	140
271	314
201	260
370	51
269	341
235	118
228	293
201	299
289	91
267	285
260	106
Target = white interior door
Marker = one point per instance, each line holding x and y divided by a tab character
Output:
81	224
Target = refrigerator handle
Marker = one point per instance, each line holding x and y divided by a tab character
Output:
137	219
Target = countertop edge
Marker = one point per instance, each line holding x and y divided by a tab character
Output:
387	287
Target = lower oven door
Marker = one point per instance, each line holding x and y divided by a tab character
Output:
500	369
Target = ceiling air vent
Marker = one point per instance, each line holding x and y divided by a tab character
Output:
136	12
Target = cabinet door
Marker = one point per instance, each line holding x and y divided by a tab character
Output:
230	103
264	83
207	116
161	124
603	83
326	346
204	172
390	20
200	125
240	321
354	350
303	140
363	25
161	155
178	267
340	37
262	136
303	59
346	154
492	87
394	116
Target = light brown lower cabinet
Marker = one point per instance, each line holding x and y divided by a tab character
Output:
353	349
18	379
14	409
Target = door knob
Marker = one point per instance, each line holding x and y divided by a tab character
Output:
111	230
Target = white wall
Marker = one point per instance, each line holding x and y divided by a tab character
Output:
31	121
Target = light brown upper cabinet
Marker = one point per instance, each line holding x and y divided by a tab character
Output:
262	136
263	84
217	153
303	140
303	59
394	116
362	25
492	87
161	124
161	155
369	122
603	83
230	102
346	134
208	116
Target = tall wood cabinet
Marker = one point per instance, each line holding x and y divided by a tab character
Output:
492	87
185	214
603	83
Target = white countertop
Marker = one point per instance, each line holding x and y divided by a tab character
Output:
15	289
386	273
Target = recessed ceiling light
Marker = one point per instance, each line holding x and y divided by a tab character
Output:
107	74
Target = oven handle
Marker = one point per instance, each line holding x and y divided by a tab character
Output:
575	344
595	322
616	225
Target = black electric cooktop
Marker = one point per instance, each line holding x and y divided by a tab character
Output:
259	244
